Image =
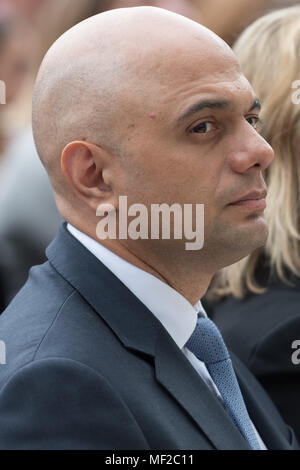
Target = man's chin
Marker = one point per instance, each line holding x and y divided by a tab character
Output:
238	242
254	238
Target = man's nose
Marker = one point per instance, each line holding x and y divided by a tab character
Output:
251	150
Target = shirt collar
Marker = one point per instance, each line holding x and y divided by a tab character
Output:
175	312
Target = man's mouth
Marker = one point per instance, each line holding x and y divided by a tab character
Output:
253	201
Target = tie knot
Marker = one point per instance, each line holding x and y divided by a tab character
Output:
207	343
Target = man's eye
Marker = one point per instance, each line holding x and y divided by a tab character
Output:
255	122
203	127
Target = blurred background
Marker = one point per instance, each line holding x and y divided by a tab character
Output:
28	215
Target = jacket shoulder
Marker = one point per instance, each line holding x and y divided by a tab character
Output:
30	315
58	403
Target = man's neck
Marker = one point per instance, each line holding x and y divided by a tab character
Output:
191	282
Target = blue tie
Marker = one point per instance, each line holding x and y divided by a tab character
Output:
208	346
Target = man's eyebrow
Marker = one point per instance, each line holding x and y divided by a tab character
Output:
256	105
203	104
212	104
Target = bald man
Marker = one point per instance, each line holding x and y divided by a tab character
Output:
103	343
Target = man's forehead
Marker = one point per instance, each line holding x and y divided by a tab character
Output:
231	95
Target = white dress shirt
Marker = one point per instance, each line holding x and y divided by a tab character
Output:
175	312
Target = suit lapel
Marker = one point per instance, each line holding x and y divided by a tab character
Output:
255	398
139	330
177	375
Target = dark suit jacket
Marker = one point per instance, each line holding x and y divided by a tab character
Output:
261	330
90	367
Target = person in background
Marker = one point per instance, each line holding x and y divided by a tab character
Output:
28	215
258	298
16	49
15	62
228	18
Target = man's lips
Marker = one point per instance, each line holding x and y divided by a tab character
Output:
254	200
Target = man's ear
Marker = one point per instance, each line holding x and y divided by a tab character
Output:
85	167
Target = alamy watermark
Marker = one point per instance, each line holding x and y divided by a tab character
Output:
184	217
296	353
2	92
2	352
296	94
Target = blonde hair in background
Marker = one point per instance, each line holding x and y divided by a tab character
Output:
269	54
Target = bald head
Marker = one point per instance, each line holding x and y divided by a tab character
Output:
147	104
104	74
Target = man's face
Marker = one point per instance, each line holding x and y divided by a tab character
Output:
197	143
